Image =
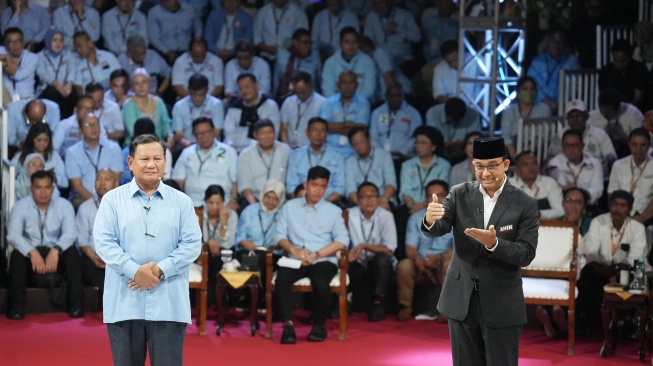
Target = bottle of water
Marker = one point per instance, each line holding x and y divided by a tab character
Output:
638	284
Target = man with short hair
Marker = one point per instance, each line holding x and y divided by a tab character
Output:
120	23
304	104
245	61
30	17
93	65
41	229
626	75
455	120
68	132
107	111
138	55
264	160
22	114
392	28
226	25
198	103
445	74
543	188
617	118
197	60
171	26
274	25
18	65
298	57
76	17
327	25
312	231
392	124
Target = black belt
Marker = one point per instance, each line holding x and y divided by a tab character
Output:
476	284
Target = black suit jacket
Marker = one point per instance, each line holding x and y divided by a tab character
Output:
515	219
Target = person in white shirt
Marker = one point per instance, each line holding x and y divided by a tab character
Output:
298	109
107	111
197	60
445	74
544	189
274	24
246	62
617	118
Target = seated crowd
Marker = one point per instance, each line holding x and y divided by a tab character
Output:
274	128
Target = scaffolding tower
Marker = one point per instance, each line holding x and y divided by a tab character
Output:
491	51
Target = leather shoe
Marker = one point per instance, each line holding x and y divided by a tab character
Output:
404	314
76	313
288	336
318	333
16	315
377	313
441	318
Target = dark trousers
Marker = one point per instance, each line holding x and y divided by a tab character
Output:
20	273
379	269
92	275
215	265
320	275
474	343
590	290
130	340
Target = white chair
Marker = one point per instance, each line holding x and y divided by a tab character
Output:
198	279
580	84
550	279
605	36
535	134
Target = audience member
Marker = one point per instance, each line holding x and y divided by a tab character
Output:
464	171
574	203
643	38
373	241
388	73
18	65
39	141
92	65
617	118
543	188
246	62
298	57
30	18
296	110
43	246
171	25
33	163
439	23
76	17
23	114
56	72
264	160
454	119
327	25
392	28
274	24
198	61
625	75
311	230
144	104
119	90
139	56
67	133
145	126
226	25
120	23
107	111
445	74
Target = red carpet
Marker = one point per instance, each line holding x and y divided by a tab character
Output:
55	339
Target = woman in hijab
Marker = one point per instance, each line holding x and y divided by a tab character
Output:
33	163
55	71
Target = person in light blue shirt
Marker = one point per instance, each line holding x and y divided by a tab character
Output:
18	65
298	109
343	111
198	61
147	234
349	58
392	124
317	152
298	57
274	25
226	25
22	114
121	22
138	55
32	19
56	70
92	65
196	104
68	133
454	119
246	62
77	17
387	71
439	24
41	229
312	231
207	162
327	25
171	26
85	158
392	28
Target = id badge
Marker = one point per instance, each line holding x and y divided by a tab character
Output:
342	141
387	146
294	139
15	97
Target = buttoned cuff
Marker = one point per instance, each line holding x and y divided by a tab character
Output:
496	244
426	226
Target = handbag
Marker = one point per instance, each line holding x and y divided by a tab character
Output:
249	262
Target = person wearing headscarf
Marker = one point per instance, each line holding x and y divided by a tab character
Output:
55	69
33	163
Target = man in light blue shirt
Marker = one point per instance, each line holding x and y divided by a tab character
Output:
392	28
32	19
207	162
311	230
327	25
297	58
41	230
138	55
372	165
22	114
18	65
439	23
226	25
147	234
77	17
121	22
392	124
107	111
298	109
275	23
246	62
171	26
196	104
198	61
317	152
88	156
454	119
68	133
344	111
349	58
93	65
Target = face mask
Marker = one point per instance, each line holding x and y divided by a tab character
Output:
527	96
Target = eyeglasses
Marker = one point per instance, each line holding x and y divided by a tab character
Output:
94	124
481	168
573	202
370	197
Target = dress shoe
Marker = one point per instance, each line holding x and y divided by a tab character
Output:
16	315
377	313
404	314
318	333
543	317
442	319
76	313
288	336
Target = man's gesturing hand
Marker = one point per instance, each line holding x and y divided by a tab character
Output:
434	211
485	237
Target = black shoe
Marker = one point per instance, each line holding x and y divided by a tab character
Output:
288	336
318	333
16	315
76	313
377	313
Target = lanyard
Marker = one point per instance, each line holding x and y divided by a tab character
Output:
345	111
123	28
577	174
90	70
615	246
551	73
208	228
192	66
260	221
369	166
79	20
42	221
56	69
334	22
391	120
96	164
267	166
197	152
191	107
633	181
419	171
278	19
368	236
13	81
300	114
310	160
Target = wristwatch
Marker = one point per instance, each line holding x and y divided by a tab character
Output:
161	274
58	248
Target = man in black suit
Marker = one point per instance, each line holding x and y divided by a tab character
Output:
495	228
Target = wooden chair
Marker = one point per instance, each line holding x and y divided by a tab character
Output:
551	278
580	84
338	285
199	279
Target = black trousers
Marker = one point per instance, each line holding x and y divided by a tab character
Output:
320	275
215	265
379	269
92	275
590	290
21	273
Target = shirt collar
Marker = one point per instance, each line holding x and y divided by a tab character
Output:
135	189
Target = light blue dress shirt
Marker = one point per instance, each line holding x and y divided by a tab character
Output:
378	168
22	82
241	27
256	167
257	226
117	27
511	117
435	117
185	112
274	26
399	42
184	68
260	69
24	231
49	68
378	230
312	227
236	135
384	63
310	64
199	169
110	116
34	22
68	22
426	245
357	111
362	64
393	132
86	72
327	26
173	241
304	158
436	30
170	31
84	222
67	134
153	63
546	72
296	115
84	162
213	232
414	177
17	127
